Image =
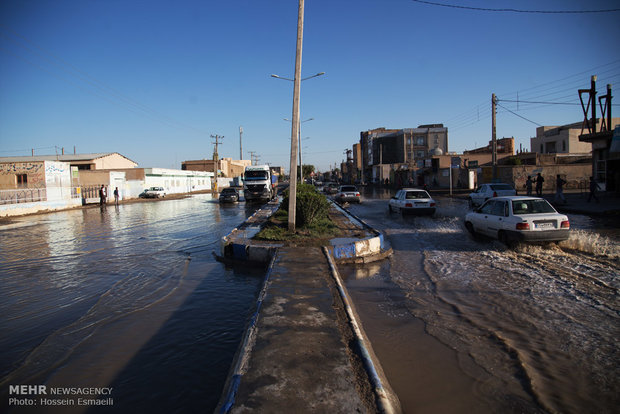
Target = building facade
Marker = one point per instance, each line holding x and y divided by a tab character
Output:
402	150
559	140
227	167
96	161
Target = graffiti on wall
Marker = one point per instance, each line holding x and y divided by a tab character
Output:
34	170
57	173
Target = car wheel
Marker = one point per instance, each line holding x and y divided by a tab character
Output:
503	237
470	229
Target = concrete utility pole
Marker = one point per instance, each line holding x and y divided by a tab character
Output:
240	143
493	137
216	159
292	204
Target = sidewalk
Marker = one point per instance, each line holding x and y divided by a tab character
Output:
577	203
300	361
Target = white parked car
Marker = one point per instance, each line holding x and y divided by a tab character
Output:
518	219
412	200
155	192
487	191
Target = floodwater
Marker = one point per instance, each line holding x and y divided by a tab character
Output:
127	297
472	326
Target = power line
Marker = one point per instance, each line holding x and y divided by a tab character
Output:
516	114
509	10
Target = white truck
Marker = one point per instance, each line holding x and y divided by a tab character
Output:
257	183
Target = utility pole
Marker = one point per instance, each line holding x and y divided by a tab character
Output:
252	156
240	143
216	159
493	137
292	204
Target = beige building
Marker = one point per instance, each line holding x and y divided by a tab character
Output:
228	167
559	140
96	161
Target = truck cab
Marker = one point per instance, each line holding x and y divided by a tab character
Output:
257	184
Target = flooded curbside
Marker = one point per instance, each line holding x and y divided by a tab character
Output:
386	399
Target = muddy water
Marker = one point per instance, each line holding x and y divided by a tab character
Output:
474	326
129	298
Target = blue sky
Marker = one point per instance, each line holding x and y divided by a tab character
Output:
153	80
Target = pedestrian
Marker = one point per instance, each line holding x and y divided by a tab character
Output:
539	185
116	196
593	187
102	195
528	185
559	190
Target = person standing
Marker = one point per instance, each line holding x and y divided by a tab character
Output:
559	190
528	185
116	195
593	187
539	185
102	195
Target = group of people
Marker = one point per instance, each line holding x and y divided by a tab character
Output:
559	188
103	195
539	185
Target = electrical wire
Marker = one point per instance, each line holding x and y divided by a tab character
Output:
510	10
522	117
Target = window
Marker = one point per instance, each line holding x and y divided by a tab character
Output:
22	180
419	141
494	208
420	154
564	146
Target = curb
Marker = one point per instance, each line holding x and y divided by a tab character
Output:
242	357
344	251
361	251
386	400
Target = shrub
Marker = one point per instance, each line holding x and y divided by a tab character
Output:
310	205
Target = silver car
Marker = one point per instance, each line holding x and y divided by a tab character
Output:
348	193
412	200
488	191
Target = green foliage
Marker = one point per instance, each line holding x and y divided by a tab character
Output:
310	205
513	161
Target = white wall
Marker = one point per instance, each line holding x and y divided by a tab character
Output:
177	181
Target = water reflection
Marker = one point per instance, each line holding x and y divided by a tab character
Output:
86	294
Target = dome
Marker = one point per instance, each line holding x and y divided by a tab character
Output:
436	151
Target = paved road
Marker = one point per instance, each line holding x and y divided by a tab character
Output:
472	326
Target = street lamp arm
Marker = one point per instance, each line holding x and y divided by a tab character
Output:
314	76
273	75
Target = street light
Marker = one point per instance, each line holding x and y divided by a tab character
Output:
292	80
301	167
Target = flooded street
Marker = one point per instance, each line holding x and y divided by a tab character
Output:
127	297
472	326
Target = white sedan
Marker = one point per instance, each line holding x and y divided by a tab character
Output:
412	200
487	191
155	192
518	218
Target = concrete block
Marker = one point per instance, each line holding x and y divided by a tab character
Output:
343	251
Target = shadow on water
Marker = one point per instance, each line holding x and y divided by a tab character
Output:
183	367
